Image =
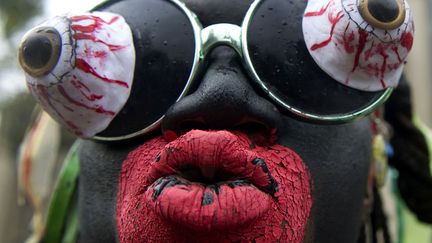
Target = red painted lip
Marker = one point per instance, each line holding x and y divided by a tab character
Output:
246	192
209	175
215	154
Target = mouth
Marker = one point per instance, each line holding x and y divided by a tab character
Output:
210	181
212	186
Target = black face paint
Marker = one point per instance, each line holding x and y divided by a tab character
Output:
207	199
166	182
272	186
163	47
223	99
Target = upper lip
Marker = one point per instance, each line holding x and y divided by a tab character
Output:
212	158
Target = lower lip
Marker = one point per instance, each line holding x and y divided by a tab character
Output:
240	213
207	207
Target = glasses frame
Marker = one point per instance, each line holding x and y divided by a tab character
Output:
236	37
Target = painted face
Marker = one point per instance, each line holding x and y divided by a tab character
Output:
225	155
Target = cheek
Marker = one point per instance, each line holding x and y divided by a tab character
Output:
338	195
338	158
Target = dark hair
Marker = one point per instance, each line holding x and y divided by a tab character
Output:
411	155
411	160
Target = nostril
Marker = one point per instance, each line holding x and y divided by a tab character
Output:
251	127
183	127
186	126
258	133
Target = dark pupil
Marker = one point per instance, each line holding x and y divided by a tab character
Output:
384	10
37	51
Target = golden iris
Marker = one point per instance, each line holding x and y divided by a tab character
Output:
39	51
383	14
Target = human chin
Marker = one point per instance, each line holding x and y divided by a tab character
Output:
212	186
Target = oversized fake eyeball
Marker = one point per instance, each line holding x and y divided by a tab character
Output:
360	43
80	69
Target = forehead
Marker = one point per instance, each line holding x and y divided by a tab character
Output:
219	11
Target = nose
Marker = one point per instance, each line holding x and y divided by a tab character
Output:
223	100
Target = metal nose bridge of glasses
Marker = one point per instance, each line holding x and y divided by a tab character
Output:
235	36
101	127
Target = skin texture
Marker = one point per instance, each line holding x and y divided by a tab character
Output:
225	98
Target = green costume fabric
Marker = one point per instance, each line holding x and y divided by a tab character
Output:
62	220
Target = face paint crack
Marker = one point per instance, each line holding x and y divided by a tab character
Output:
272	186
213	169
218	207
